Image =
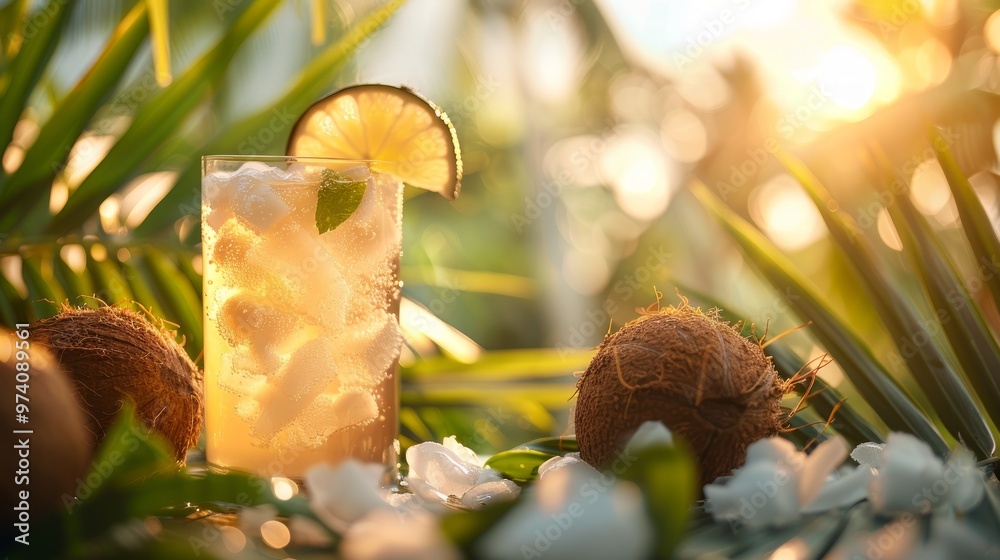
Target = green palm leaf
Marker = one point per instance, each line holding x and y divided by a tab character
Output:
73	283
865	372
975	222
824	398
109	282
958	312
11	305
156	121
312	82
41	35
929	362
180	295
69	118
11	18
44	294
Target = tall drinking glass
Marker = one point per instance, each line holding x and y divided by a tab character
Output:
301	312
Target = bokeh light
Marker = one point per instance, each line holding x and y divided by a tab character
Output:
573	161
991	31
929	188
233	539
887	231
847	77
275	534
586	272
75	256
637	170
786	214
942	13
551	52
704	88
98	252
141	195
684	136
932	62
283	488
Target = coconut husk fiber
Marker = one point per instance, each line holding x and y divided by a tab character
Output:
113	354
712	387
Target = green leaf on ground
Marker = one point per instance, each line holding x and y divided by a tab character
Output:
553	445
668	480
519	465
133	450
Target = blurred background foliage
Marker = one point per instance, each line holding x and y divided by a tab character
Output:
581	123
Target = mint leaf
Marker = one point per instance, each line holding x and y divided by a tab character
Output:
338	198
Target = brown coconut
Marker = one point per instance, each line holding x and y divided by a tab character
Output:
714	389
114	354
59	449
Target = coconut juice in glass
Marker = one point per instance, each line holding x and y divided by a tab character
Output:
301	318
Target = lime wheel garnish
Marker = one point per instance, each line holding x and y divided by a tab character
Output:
394	128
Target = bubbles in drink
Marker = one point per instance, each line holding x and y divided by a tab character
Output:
259	206
329	414
233	248
241	374
309	336
247	319
371	348
310	370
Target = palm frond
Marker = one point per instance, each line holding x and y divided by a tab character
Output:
41	36
828	402
27	185
147	264
978	229
957	311
930	363
154	123
865	372
311	83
